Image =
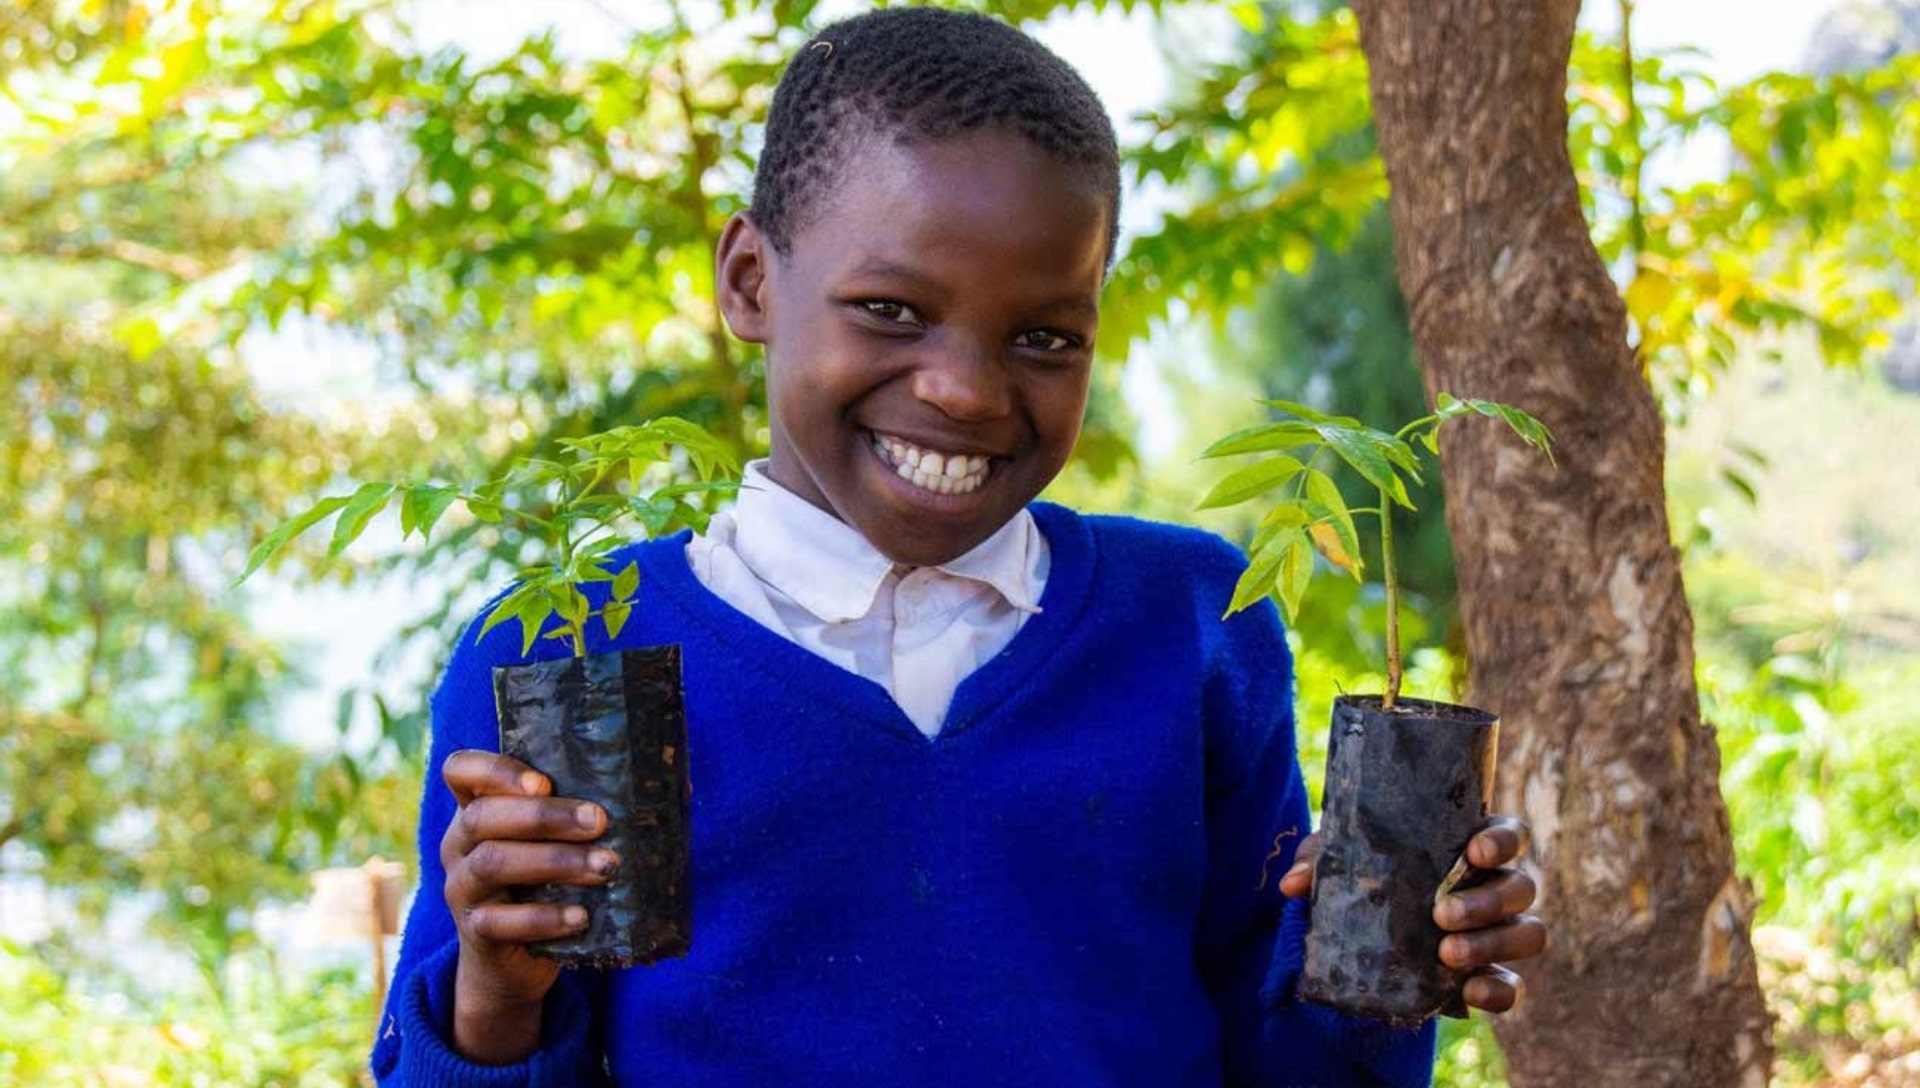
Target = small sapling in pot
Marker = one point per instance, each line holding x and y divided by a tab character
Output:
1408	781
609	727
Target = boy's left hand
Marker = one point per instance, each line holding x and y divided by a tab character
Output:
1486	923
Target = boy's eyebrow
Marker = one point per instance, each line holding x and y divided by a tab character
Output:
880	266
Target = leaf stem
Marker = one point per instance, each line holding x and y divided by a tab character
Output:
576	626
1391	576
550	527
1415	425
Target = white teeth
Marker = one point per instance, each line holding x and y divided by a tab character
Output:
943	474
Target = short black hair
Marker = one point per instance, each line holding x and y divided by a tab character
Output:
919	73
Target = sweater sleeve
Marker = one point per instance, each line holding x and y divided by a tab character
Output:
411	1048
1251	938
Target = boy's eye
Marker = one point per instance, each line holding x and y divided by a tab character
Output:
896	312
1046	340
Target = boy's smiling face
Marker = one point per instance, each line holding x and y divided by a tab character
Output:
929	335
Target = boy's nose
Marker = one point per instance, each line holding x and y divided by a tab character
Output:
965	382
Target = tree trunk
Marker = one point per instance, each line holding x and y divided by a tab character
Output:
1577	625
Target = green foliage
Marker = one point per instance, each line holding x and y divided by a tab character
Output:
1270	149
1807	230
1806	645
573	509
1311	515
252	1026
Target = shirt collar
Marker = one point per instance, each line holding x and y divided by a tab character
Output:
826	567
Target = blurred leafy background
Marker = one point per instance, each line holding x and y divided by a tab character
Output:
250	247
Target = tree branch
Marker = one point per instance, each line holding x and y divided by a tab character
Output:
124	250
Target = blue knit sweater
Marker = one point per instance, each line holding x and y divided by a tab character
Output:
1069	886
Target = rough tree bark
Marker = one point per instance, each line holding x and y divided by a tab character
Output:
1577	626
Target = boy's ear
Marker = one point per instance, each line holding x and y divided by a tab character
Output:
740	266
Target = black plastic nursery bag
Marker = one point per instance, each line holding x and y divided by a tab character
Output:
612	729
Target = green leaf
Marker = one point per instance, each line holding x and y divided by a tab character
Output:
278	539
692	487
626	583
1311	416
615	616
1254	480
510	607
367	501
599	546
1741	484
588	567
1530	430
1296	570
695	518
535	470
1334	534
1277	520
1267	436
421	507
654	515
566	600
1257	580
533	616
1373	459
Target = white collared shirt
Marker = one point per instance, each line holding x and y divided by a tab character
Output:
916	631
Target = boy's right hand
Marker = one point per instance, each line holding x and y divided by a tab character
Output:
507	833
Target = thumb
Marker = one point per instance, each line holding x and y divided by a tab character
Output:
1298	881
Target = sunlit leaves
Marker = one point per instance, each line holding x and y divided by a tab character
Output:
1268	149
1808	228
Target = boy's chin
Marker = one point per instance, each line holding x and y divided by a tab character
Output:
916	527
928	550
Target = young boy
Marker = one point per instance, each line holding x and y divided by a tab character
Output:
985	790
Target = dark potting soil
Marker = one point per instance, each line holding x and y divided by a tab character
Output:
612	729
1421	708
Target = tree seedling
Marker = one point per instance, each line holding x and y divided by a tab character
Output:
611	727
1408	782
1311	516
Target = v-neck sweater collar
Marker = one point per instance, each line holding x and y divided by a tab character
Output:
666	572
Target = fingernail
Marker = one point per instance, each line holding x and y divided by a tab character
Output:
1300	868
605	862
587	816
530	782
1451	952
1452	911
574	917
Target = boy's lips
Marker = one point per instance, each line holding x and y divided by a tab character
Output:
930	472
